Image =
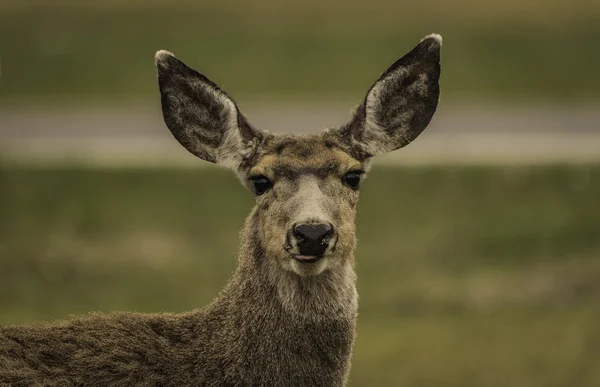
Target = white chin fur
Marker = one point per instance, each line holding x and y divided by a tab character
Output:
309	269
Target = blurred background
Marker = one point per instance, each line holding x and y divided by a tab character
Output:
490	277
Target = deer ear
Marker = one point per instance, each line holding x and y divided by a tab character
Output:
201	116
399	106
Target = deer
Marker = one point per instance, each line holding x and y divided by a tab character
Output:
288	314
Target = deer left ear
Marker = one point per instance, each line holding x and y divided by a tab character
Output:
399	106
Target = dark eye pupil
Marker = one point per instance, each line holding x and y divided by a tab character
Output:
261	185
352	179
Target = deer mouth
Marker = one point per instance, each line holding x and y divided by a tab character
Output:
307	258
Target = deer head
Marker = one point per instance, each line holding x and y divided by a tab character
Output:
306	187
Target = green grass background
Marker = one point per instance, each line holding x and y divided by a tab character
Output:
78	51
468	276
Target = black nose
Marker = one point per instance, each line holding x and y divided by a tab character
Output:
312	231
312	237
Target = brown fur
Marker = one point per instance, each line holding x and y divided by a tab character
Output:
279	321
247	337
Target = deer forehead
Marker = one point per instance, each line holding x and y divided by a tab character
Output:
293	157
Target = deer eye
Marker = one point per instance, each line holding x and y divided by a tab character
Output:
261	184
352	179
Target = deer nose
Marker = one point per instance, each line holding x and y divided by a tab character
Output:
312	232
312	239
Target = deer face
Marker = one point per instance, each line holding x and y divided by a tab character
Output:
306	187
306	190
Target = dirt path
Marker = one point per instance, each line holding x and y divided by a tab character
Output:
137	135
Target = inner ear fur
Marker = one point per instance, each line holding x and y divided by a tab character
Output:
399	105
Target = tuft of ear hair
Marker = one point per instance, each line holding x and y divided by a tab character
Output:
201	116
161	57
399	105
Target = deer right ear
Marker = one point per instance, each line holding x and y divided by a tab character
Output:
201	116
400	104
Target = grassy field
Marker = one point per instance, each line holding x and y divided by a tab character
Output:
80	51
470	276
